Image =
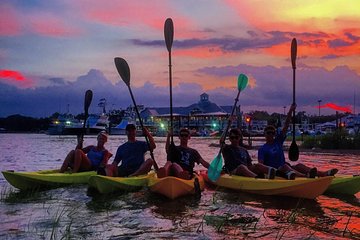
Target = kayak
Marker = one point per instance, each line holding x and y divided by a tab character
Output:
105	185
308	188
45	179
344	184
173	187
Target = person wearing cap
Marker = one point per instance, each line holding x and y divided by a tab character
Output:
132	155
182	166
238	161
89	158
272	154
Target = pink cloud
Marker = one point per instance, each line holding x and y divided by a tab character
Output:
127	13
48	24
9	23
15	78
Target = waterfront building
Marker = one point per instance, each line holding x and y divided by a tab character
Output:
204	118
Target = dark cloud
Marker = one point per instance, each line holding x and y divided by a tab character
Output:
338	43
57	81
273	90
330	56
352	37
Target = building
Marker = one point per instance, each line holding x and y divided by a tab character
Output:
204	117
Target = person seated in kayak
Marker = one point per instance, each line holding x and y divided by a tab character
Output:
131	155
181	166
89	158
238	161
272	154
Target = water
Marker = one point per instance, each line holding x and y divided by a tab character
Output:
69	213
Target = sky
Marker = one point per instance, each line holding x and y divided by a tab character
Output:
51	52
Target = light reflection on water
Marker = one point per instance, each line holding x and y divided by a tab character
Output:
70	212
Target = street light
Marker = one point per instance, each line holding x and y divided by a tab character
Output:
319	101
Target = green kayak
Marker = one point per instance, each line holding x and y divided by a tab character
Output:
344	184
105	185
45	179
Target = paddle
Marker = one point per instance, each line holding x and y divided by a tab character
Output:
173	153
294	149
215	167
124	71
87	102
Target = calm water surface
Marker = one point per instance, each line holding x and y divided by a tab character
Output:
72	213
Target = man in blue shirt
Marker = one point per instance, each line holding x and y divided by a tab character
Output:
272	154
131	155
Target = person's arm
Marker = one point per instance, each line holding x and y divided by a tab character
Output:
106	157
287	120
204	163
117	158
261	156
151	139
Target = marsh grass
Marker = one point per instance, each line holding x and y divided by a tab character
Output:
12	195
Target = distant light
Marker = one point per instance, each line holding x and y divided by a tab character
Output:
56	122
162	125
214	125
68	122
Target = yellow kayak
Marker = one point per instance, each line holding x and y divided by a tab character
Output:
45	179
173	187
105	185
344	184
308	188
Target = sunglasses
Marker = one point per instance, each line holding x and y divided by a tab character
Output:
234	137
270	133
184	135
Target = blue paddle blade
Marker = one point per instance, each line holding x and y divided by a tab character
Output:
215	168
242	82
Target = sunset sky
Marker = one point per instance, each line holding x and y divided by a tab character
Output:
52	51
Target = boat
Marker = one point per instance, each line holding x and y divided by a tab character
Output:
120	129
308	188
173	187
45	179
105	184
58	125
344	184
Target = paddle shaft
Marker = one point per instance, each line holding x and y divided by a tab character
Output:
171	105
293	113
142	127
229	122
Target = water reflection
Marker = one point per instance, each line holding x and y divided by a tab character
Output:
72	213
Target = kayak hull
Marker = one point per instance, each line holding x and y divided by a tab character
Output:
308	188
173	187
45	179
106	185
344	184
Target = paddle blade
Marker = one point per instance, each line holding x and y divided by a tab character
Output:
293	53
242	82
87	101
293	151
215	168
169	33
123	69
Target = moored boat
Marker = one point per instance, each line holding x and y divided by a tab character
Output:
308	188
173	187
45	179
344	184
105	184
